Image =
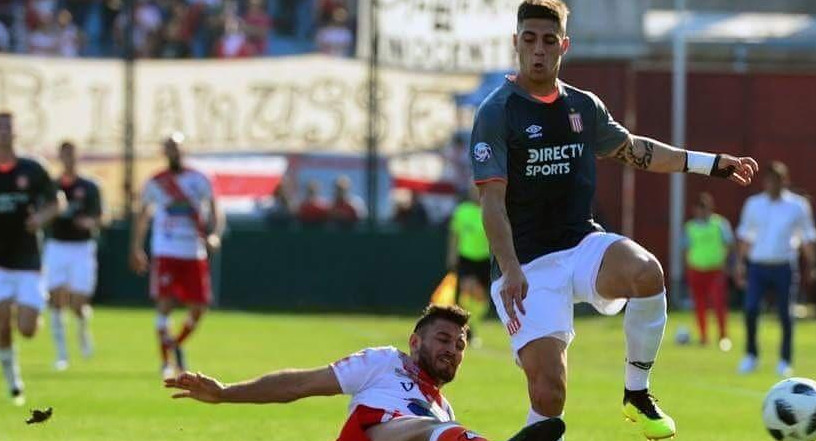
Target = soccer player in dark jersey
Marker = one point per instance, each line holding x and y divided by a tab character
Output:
70	254
534	144
27	203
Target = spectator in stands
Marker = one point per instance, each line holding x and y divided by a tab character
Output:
258	25
410	213
234	43
146	29
43	40
280	208
69	38
313	209
176	35
347	208
336	38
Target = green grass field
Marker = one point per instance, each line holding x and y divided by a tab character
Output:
118	394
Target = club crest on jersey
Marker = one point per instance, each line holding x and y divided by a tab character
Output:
79	193
534	131
482	152
576	123
22	182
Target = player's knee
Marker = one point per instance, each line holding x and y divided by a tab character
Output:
454	432
548	397
647	276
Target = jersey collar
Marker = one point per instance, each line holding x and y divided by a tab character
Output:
511	80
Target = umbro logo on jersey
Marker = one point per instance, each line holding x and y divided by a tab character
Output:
534	131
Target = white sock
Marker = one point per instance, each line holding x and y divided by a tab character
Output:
534	417
58	332
85	338
644	323
11	370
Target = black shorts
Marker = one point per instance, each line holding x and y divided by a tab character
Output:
475	268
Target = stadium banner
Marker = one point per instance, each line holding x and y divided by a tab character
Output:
441	35
290	104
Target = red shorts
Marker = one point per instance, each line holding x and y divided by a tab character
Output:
185	280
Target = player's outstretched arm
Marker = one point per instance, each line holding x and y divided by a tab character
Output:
648	154
138	257
277	387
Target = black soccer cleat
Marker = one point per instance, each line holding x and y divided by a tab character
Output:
548	430
40	416
640	407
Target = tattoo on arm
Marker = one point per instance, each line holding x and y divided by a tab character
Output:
637	152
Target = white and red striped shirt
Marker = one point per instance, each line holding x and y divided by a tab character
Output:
175	230
385	384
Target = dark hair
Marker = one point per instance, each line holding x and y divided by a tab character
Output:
554	10
779	170
67	145
705	201
5	115
432	313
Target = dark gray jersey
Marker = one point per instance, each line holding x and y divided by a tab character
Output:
546	154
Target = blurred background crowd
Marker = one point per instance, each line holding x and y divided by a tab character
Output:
176	29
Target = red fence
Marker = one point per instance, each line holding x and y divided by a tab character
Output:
764	115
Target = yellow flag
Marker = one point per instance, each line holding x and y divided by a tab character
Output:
445	292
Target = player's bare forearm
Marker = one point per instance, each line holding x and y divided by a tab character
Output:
651	155
219	217
139	229
48	212
497	225
453	252
648	154
283	387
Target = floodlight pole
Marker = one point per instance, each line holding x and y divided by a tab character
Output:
372	169
128	116
678	180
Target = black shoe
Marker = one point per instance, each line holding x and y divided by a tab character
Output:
643	401
17	397
547	430
181	363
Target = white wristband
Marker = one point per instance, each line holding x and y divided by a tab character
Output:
699	162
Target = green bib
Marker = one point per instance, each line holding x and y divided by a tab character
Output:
467	223
706	248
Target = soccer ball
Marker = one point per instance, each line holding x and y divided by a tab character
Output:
789	410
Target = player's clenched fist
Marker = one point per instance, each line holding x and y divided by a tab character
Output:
739	170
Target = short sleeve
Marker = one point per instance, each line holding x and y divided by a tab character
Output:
746	228
727	232
150	193
94	207
609	134
46	188
357	371
806	228
206	187
488	143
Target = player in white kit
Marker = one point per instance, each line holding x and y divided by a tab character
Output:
187	228
395	396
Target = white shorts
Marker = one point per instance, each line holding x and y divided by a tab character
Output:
556	281
24	287
70	265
